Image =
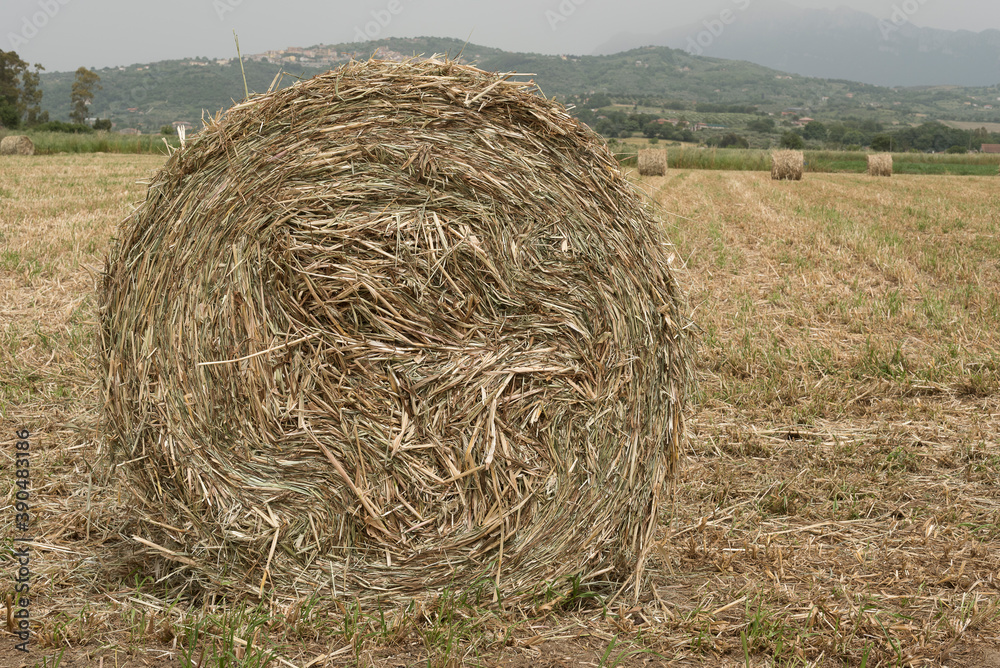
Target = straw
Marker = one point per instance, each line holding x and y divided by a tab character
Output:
653	162
787	165
407	323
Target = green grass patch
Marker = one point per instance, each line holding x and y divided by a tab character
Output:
50	143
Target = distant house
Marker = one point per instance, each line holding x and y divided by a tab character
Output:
990	148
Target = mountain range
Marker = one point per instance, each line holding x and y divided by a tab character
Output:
146	96
837	43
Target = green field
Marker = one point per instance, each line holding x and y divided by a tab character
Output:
51	143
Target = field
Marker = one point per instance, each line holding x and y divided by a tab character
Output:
972	125
838	503
852	162
49	143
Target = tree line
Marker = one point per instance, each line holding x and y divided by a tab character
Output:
21	97
850	132
930	137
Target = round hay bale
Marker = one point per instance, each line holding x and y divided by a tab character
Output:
880	164
16	145
787	165
652	162
399	327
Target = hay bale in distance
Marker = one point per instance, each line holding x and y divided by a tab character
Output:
787	165
880	164
16	145
405	325
653	162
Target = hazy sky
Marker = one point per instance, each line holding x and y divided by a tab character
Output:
65	34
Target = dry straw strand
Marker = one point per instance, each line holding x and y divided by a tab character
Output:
880	164
787	165
17	145
652	162
407	323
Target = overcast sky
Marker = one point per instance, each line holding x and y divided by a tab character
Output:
66	34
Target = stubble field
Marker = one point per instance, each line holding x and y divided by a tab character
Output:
838	502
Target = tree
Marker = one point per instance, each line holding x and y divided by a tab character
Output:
871	125
102	124
764	125
31	98
835	132
598	100
11	70
853	138
83	93
815	131
881	142
733	140
792	141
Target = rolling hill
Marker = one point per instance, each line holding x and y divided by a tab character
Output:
147	96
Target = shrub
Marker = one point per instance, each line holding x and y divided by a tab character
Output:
60	126
733	140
